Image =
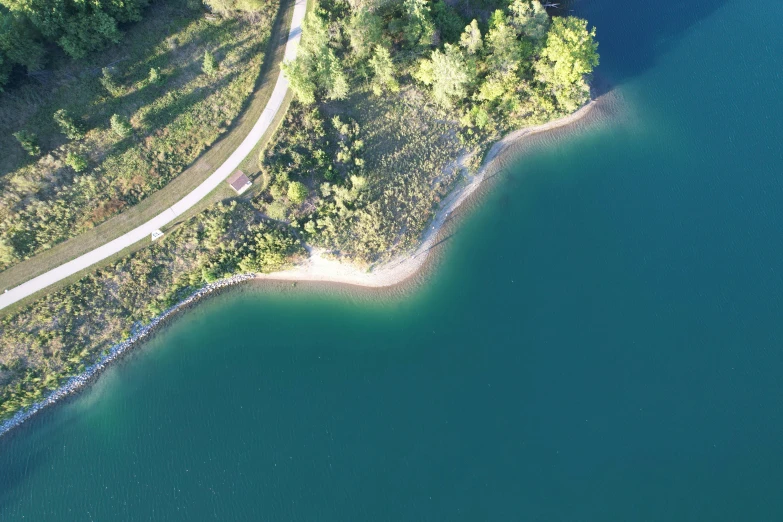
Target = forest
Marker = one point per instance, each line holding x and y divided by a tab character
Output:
32	31
391	94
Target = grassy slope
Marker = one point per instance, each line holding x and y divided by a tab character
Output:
174	121
405	149
179	186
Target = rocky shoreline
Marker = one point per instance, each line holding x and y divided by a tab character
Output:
141	332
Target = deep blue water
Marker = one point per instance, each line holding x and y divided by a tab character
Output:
602	341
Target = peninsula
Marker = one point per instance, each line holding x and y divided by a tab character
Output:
396	108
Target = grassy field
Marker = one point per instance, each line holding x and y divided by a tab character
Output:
179	186
375	174
175	119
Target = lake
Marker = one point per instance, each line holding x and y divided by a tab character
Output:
601	340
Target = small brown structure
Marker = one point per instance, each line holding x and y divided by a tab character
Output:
239	181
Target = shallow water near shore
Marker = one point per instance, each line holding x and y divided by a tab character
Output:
600	339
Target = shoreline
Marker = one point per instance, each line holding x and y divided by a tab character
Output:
316	268
77	382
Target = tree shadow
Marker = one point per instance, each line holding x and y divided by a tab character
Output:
633	35
131	102
164	116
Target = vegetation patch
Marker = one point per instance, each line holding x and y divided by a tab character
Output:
390	94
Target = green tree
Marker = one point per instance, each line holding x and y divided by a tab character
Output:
297	192
300	79
209	66
29	142
7	255
109	81
316	69
277	210
447	73
570	54
471	38
504	51
447	20
383	72
418	29
496	85
338	88
121	126
76	161
529	18
154	76
68	125
78	27
92	30
365	31
19	43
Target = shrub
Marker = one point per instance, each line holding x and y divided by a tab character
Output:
297	192
109	81
209	65
68	125
77	162
121	126
29	142
154	76
277	210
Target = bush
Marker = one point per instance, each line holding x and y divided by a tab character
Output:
210	65
154	76
109	82
77	162
29	142
68	125
277	211
121	126
297	192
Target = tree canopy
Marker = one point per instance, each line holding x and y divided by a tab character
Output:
519	66
570	53
447	73
316	72
383	71
529	18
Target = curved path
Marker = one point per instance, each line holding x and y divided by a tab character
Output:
167	216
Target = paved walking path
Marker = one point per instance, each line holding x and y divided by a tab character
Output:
167	216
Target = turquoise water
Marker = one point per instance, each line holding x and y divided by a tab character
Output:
601	342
